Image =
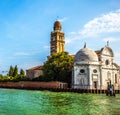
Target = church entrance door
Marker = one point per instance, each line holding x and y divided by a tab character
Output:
95	84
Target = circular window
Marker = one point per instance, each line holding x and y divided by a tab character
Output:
82	71
107	62
95	71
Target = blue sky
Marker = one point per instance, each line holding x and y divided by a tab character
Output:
25	27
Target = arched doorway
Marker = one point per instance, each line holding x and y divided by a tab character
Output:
109	76
108	79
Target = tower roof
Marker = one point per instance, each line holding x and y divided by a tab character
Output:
57	26
108	49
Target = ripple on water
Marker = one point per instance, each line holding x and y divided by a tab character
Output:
23	102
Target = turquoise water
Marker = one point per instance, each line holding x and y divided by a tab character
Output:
23	102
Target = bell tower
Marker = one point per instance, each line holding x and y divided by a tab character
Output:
57	39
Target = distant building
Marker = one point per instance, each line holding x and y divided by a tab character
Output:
34	72
95	69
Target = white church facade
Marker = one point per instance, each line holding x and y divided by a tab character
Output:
95	69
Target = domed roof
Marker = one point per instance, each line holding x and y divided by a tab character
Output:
57	25
107	51
86	55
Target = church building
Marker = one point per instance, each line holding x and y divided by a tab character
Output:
91	69
95	69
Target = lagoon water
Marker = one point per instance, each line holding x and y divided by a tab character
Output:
27	102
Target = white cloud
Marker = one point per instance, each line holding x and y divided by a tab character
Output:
106	23
117	57
30	64
46	47
111	39
63	19
72	33
21	54
71	39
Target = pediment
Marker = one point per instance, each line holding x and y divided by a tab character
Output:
107	51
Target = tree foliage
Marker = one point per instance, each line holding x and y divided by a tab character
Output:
11	70
13	75
22	73
59	67
15	72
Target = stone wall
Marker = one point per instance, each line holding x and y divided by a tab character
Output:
52	86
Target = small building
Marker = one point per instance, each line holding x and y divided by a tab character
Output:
95	69
34	72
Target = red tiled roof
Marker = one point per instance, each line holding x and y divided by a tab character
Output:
97	52
36	68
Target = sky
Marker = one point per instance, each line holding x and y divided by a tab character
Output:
25	27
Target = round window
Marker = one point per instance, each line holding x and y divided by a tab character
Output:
82	71
95	71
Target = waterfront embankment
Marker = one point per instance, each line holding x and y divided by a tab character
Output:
51	86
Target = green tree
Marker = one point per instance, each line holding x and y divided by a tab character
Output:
11	70
22	73
59	67
15	72
13	75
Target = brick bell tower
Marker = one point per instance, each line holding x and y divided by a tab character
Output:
57	39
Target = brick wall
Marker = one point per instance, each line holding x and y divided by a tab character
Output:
32	85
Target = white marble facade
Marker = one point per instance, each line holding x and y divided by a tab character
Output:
95	69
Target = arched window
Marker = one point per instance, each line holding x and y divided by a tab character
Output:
115	78
109	75
107	62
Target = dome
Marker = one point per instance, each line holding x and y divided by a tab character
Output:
57	25
86	55
108	50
